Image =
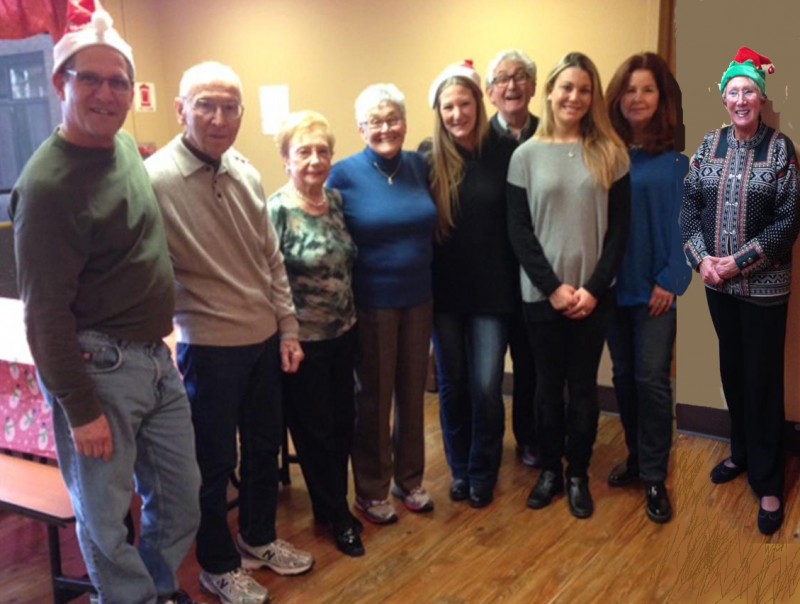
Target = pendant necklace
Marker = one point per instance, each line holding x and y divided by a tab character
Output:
388	177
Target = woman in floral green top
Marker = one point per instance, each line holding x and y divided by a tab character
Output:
318	254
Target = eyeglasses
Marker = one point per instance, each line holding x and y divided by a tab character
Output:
376	125
232	110
748	94
520	77
94	81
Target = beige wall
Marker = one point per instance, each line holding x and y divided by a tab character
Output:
329	51
709	32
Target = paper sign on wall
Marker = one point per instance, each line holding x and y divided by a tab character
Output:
145	97
274	101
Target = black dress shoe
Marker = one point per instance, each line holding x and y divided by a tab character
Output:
769	522
459	490
722	473
480	498
580	499
358	526
348	542
548	486
623	474
659	509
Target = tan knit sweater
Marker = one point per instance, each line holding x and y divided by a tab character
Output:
231	283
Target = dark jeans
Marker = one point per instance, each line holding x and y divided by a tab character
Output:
230	388
523	418
567	352
469	356
320	409
641	350
751	346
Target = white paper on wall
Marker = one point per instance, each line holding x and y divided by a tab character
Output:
274	101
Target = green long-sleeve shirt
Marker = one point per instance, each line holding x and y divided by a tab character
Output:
91	254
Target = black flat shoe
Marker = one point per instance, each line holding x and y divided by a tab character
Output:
459	490
769	522
623	474
659	509
348	542
722	473
480	498
548	486
580	499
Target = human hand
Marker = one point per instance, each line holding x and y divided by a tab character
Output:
727	267
563	298
584	305
94	439
660	301
708	271
291	355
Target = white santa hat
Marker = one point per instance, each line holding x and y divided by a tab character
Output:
88	24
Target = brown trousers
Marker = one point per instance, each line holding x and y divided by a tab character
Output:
391	362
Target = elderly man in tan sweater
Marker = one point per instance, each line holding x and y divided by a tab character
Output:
236	329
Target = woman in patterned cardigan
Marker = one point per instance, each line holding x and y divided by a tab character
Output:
739	221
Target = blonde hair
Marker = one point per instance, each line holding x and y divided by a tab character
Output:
301	121
447	165
604	152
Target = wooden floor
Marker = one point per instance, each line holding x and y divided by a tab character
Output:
710	552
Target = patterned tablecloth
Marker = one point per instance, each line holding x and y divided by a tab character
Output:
26	418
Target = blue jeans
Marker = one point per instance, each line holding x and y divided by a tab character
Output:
145	404
234	388
470	359
641	350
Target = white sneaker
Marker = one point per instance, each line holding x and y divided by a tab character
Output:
279	556
234	587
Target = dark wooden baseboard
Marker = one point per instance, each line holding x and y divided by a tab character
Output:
689	419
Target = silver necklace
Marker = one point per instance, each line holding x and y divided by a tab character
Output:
573	151
317	204
388	177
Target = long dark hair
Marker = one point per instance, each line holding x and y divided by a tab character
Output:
665	131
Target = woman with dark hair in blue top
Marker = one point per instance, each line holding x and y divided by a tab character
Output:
643	101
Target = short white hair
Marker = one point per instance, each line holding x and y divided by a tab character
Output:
372	97
206	73
517	56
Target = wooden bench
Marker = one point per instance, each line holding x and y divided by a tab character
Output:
36	490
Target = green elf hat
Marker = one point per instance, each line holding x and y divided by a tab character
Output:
750	64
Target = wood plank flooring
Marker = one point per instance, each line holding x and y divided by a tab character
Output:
710	552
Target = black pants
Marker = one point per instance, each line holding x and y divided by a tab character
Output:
523	419
319	402
567	352
751	344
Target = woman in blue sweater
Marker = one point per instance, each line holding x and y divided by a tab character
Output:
643	103
391	217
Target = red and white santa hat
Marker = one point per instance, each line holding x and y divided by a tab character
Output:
463	70
88	24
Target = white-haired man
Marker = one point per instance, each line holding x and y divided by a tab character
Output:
236	329
510	86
